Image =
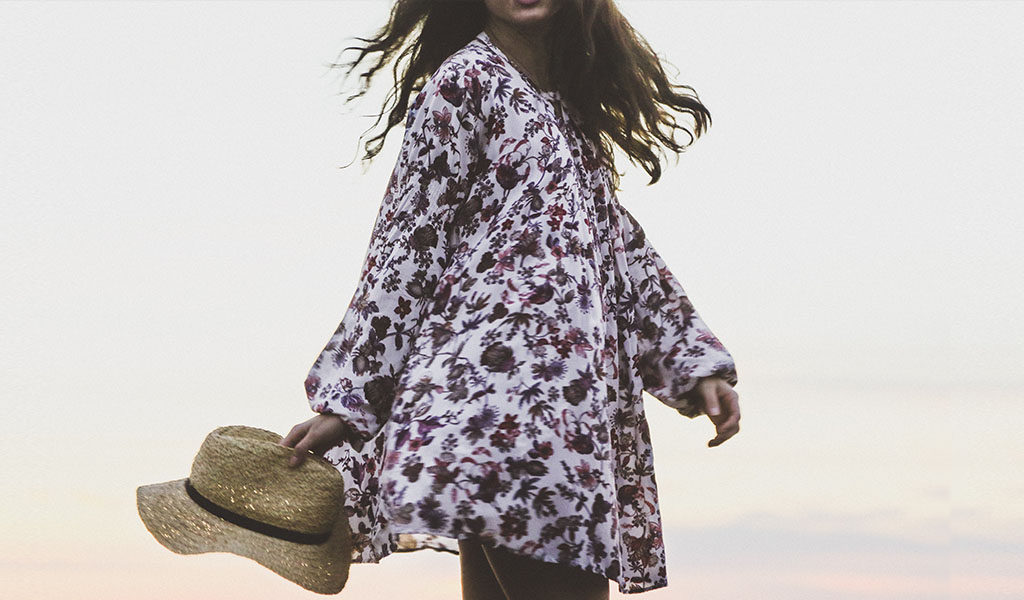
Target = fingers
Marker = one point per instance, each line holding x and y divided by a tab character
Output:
728	424
296	434
710	400
300	439
733	400
310	443
724	433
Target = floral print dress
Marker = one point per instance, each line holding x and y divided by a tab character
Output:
508	315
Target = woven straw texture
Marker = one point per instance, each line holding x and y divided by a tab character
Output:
244	470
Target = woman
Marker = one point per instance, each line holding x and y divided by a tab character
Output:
510	311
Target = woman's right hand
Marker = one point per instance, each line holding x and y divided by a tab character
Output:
318	435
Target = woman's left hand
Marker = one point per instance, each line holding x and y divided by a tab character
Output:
722	405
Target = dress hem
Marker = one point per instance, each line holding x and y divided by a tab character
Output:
493	543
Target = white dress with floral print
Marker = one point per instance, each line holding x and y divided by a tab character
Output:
508	315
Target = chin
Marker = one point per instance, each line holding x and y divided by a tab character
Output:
526	14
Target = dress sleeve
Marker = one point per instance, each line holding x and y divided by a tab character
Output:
675	346
356	373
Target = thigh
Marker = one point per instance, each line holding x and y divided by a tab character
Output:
478	580
525	578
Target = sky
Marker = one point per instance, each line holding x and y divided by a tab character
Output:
179	242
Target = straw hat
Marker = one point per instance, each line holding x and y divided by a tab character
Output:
242	497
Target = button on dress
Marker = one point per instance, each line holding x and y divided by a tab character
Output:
508	315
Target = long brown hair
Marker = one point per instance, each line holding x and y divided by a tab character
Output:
600	64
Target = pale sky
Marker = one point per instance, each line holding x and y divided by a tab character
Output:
179	243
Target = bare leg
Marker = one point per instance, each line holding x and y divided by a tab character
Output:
478	580
524	578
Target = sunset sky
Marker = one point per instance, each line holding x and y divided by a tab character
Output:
179	243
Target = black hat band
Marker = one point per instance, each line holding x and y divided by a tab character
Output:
289	535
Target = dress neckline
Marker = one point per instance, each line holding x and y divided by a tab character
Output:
526	76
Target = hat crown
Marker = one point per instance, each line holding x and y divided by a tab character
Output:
245	470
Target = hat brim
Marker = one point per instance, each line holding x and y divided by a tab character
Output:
184	527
